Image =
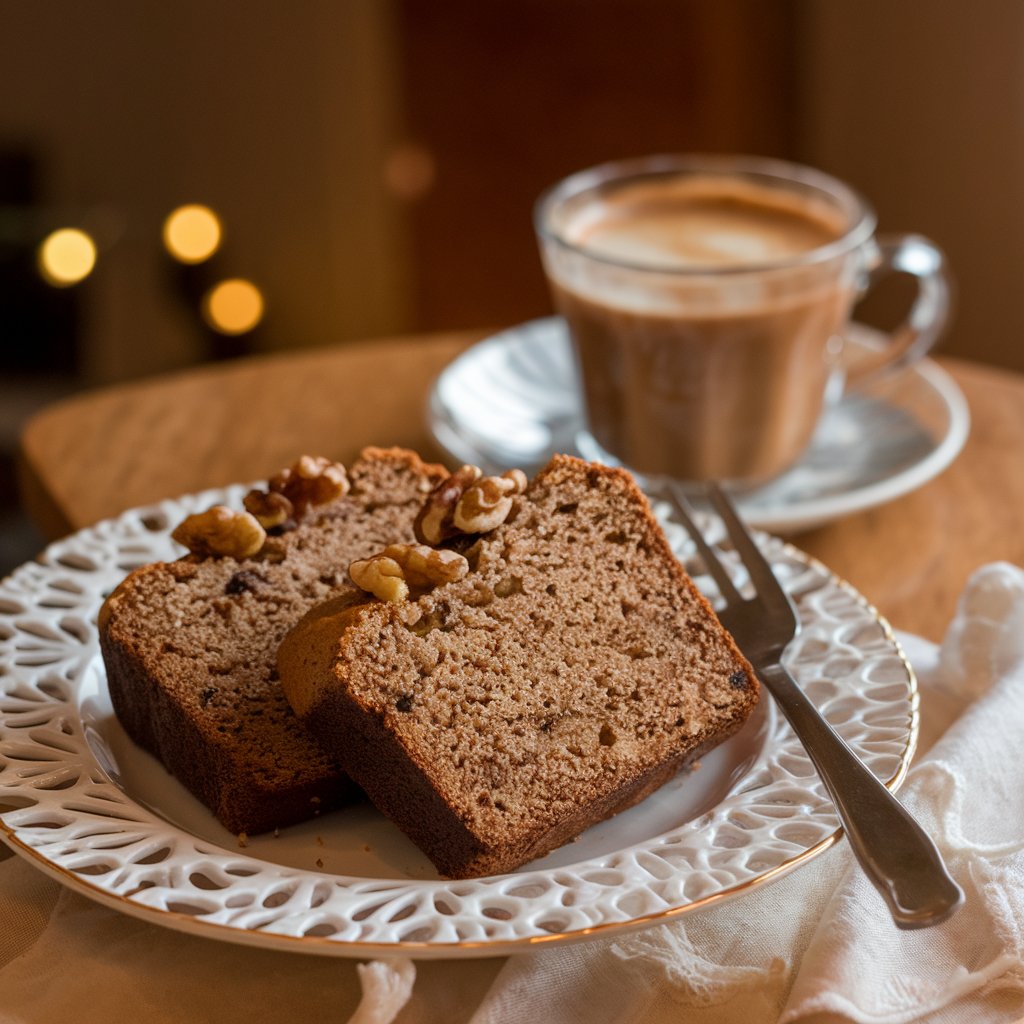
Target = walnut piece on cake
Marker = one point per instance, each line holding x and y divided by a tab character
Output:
391	573
221	531
467	503
435	522
312	480
271	508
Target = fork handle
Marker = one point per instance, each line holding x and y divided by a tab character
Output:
894	851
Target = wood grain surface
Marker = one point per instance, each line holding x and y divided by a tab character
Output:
94	455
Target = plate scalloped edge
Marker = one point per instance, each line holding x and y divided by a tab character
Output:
66	812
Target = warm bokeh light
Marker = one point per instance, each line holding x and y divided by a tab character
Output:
410	171
233	307
192	233
66	257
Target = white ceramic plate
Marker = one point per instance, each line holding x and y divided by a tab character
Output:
82	803
512	400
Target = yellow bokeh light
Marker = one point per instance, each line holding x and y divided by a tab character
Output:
66	257
233	307
192	233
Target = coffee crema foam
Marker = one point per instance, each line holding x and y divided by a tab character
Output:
693	223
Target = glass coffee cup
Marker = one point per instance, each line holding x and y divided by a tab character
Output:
707	297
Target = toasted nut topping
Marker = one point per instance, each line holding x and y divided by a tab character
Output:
467	502
380	576
487	503
518	477
271	508
313	480
425	566
221	531
390	573
434	524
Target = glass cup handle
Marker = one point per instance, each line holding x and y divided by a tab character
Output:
914	338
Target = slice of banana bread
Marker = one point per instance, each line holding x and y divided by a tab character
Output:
572	670
190	650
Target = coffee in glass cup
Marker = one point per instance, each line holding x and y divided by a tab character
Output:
707	297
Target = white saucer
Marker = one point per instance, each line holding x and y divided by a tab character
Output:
512	400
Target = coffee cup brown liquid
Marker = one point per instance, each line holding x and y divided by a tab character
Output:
706	304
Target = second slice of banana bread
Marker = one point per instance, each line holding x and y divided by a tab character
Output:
190	650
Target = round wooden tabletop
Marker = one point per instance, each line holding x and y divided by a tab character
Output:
96	454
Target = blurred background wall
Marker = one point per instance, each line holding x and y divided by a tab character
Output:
373	163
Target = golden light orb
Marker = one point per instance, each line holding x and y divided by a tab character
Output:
192	233
410	171
234	306
66	256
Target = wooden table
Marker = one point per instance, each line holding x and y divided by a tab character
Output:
96	454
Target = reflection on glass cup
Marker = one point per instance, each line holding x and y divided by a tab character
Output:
707	297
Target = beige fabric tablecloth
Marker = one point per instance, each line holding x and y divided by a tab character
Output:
816	946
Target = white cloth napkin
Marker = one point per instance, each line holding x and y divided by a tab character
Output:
816	946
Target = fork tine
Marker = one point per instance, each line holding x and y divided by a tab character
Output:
761	575
682	508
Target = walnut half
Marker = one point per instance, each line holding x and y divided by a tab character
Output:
391	573
435	522
467	502
312	480
487	503
270	507
221	531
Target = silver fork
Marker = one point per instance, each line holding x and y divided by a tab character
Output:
893	850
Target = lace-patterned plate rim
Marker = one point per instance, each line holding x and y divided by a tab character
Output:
773	819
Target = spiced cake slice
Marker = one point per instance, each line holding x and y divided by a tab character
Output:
571	670
190	646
